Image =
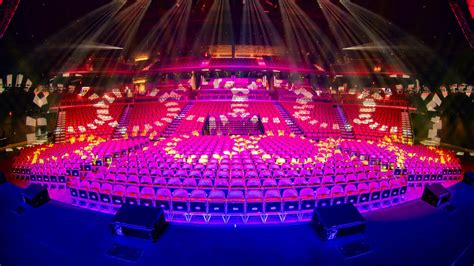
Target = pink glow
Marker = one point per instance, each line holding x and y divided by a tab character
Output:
470	4
278	170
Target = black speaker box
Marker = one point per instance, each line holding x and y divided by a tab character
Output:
436	195
338	220
35	195
469	178
3	178
139	222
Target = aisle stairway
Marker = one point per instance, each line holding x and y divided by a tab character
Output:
407	132
121	129
288	120
60	131
176	121
344	123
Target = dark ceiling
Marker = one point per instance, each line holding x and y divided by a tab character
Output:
431	21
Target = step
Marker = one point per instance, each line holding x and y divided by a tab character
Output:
288	120
176	121
344	124
123	123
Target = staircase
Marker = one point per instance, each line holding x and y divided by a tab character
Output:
60	131
288	120
344	124
169	131
407	132
121	130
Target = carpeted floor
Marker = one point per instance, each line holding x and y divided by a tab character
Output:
410	234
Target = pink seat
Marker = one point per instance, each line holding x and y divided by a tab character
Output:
253	183
146	180
121	178
237	184
285	183
314	181
179	200
205	184
221	183
174	182
272	201
189	183
198	201
327	180
269	183
133	179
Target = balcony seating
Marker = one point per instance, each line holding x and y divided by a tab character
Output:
315	119
152	118
374	123
89	120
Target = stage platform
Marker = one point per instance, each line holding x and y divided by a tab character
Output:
412	233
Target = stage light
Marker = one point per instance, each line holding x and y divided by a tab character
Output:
139	81
377	69
141	58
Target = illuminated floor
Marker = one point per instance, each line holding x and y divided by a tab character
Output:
410	234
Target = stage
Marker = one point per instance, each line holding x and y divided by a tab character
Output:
412	233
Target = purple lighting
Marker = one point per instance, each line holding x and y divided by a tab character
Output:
210	179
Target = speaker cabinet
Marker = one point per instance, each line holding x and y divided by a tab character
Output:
139	222
3	178
338	220
436	195
35	195
469	178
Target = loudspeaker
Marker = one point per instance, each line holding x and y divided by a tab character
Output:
435	194
3	178
35	195
469	178
139	222
338	220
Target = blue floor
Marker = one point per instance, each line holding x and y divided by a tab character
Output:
410	234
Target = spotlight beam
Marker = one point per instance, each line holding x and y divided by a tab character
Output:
79	33
257	28
382	32
169	34
217	27
303	36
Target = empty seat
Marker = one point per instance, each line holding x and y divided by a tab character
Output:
84	189
222	184
338	195
269	183
189	183
132	195
106	193
198	201
147	196
163	199
272	201
323	196
206	184
216	201
254	201
307	199
94	191
237	184
351	194
118	194
235	201
180	200
290	200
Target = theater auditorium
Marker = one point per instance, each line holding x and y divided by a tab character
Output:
236	132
